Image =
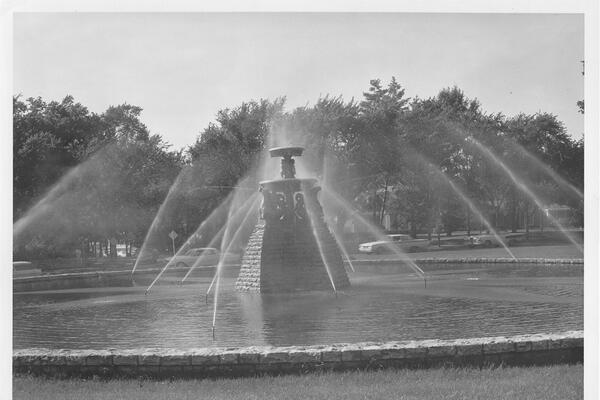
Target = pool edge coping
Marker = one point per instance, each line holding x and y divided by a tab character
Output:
529	349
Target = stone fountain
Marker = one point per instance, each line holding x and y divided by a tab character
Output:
291	248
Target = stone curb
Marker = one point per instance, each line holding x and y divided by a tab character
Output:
430	260
539	349
94	274
475	260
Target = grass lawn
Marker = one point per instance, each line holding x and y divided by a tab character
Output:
553	382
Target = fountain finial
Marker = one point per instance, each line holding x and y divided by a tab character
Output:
288	171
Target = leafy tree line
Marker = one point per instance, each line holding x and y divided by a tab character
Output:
81	176
85	177
410	158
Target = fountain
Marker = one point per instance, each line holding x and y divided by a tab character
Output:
482	309
291	248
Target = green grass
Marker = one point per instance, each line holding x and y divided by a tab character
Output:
554	382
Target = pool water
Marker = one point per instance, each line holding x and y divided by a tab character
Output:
384	303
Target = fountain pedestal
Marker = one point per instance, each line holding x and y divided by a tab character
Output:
291	248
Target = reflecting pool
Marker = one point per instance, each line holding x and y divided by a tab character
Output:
384	303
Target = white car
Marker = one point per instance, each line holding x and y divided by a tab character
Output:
202	256
399	241
484	241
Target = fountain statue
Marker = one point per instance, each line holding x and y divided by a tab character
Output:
291	247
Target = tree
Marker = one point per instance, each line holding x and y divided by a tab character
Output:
48	139
92	176
379	142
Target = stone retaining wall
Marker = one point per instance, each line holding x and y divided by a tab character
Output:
538	349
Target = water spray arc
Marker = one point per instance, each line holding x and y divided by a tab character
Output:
464	198
342	247
491	156
481	217
248	204
311	217
57	191
200	228
157	219
548	170
187	274
234	237
374	231
47	202
225	247
339	241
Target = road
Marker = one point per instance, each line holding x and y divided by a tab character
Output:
553	251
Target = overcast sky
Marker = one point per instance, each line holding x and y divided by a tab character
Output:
183	68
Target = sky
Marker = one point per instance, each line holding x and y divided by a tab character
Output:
182	68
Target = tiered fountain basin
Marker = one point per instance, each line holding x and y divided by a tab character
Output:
469	313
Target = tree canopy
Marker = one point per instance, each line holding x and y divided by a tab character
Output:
82	174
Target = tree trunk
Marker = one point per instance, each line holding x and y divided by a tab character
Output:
514	216
468	222
374	204
385	190
496	217
526	219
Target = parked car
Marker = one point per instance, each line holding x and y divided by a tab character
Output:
401	242
514	239
484	241
22	269
202	256
122	251
451	242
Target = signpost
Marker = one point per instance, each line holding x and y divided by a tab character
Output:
173	235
